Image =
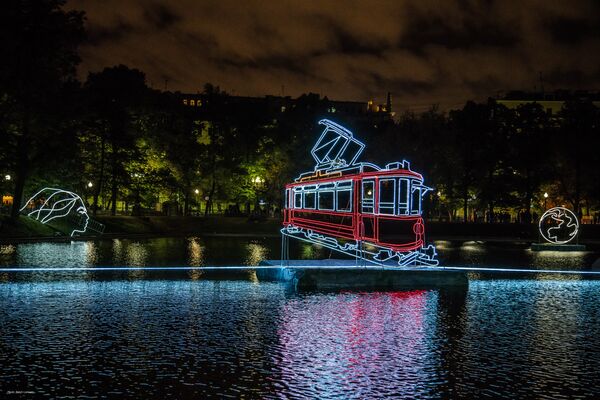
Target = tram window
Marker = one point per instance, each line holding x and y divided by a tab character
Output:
415	206
387	196
287	198
344	200
310	199
326	200
298	199
403	196
344	184
368	196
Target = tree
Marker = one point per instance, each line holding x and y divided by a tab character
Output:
529	141
579	158
117	96
39	40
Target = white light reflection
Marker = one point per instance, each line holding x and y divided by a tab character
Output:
195	252
255	253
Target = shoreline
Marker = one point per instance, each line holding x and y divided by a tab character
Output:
142	228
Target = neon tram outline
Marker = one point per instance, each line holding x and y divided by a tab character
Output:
358	208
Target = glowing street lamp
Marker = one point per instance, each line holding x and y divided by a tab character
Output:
197	192
90	185
545	199
7	177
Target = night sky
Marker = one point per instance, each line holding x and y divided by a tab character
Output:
424	52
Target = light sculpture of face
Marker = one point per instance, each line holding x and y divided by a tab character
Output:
50	203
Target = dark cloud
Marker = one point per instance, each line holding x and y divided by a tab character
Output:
573	30
97	34
425	52
423	31
160	16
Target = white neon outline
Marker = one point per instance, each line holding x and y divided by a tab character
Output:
306	192
329	152
319	199
66	206
386	204
337	205
368	203
405	204
552	213
299	267
335	160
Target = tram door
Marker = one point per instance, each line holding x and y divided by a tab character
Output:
367	209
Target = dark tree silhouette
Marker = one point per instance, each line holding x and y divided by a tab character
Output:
39	41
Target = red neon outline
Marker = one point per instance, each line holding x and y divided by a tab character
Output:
355	230
359	176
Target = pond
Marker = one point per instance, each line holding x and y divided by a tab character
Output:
177	335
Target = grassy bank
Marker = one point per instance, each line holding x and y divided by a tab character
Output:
27	228
124	226
176	226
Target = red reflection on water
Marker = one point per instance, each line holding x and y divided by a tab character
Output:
353	341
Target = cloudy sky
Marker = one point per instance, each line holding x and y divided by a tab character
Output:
424	52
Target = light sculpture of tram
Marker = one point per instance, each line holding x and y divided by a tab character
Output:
358	208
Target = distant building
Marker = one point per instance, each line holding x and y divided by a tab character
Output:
552	102
273	105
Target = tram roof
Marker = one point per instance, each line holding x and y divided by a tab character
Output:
333	176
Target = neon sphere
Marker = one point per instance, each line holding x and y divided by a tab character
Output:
558	225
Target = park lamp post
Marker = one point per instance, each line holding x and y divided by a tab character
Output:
196	193
545	200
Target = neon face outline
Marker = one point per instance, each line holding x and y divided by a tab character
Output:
58	204
362	229
560	215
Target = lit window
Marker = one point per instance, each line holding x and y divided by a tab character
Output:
198	103
282	108
185	102
192	103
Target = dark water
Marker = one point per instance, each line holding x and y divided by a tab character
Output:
182	336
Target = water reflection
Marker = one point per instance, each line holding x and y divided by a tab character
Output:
256	253
574	260
199	251
199	339
532	339
73	254
196	252
358	345
7	250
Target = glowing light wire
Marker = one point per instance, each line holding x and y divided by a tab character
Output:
53	208
557	214
337	267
